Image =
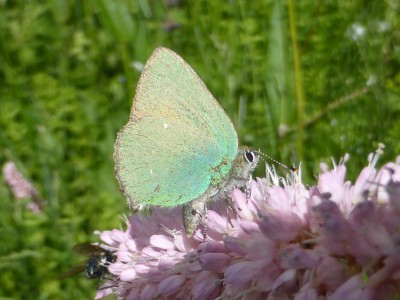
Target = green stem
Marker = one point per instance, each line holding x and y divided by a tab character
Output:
336	104
297	79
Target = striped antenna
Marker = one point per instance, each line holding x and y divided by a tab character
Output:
293	169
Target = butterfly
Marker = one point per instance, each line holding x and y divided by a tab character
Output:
179	147
96	265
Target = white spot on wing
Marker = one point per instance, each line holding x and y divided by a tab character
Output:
165	125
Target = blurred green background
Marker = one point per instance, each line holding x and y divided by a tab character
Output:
302	81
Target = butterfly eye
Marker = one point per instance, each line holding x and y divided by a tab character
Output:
250	155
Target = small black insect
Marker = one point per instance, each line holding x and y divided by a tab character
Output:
96	265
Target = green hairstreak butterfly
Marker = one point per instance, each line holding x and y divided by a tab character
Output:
179	146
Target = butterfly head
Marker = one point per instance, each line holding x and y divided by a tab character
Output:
246	162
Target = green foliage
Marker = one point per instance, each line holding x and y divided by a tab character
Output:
67	76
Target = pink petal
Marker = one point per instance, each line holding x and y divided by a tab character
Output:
124	256
205	285
148	292
284	282
216	222
393	190
171	285
330	273
128	275
366	175
166	263
295	257
279	199
102	293
249	227
333	182
183	243
118	236
364	212
240	273
306	293
117	268
142	268
162	242
195	266
212	247
284	226
265	277
133	295
241	201
353	288
260	247
131	245
216	262
151	252
234	244
105	236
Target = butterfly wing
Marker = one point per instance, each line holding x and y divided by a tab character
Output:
178	141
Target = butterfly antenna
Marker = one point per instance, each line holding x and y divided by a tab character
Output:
293	169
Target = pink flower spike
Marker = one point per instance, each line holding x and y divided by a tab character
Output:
332	240
20	187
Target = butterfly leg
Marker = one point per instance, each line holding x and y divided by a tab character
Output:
231	204
247	188
193	213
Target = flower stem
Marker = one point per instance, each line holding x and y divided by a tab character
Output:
297	78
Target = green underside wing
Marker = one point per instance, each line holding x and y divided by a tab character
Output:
179	145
